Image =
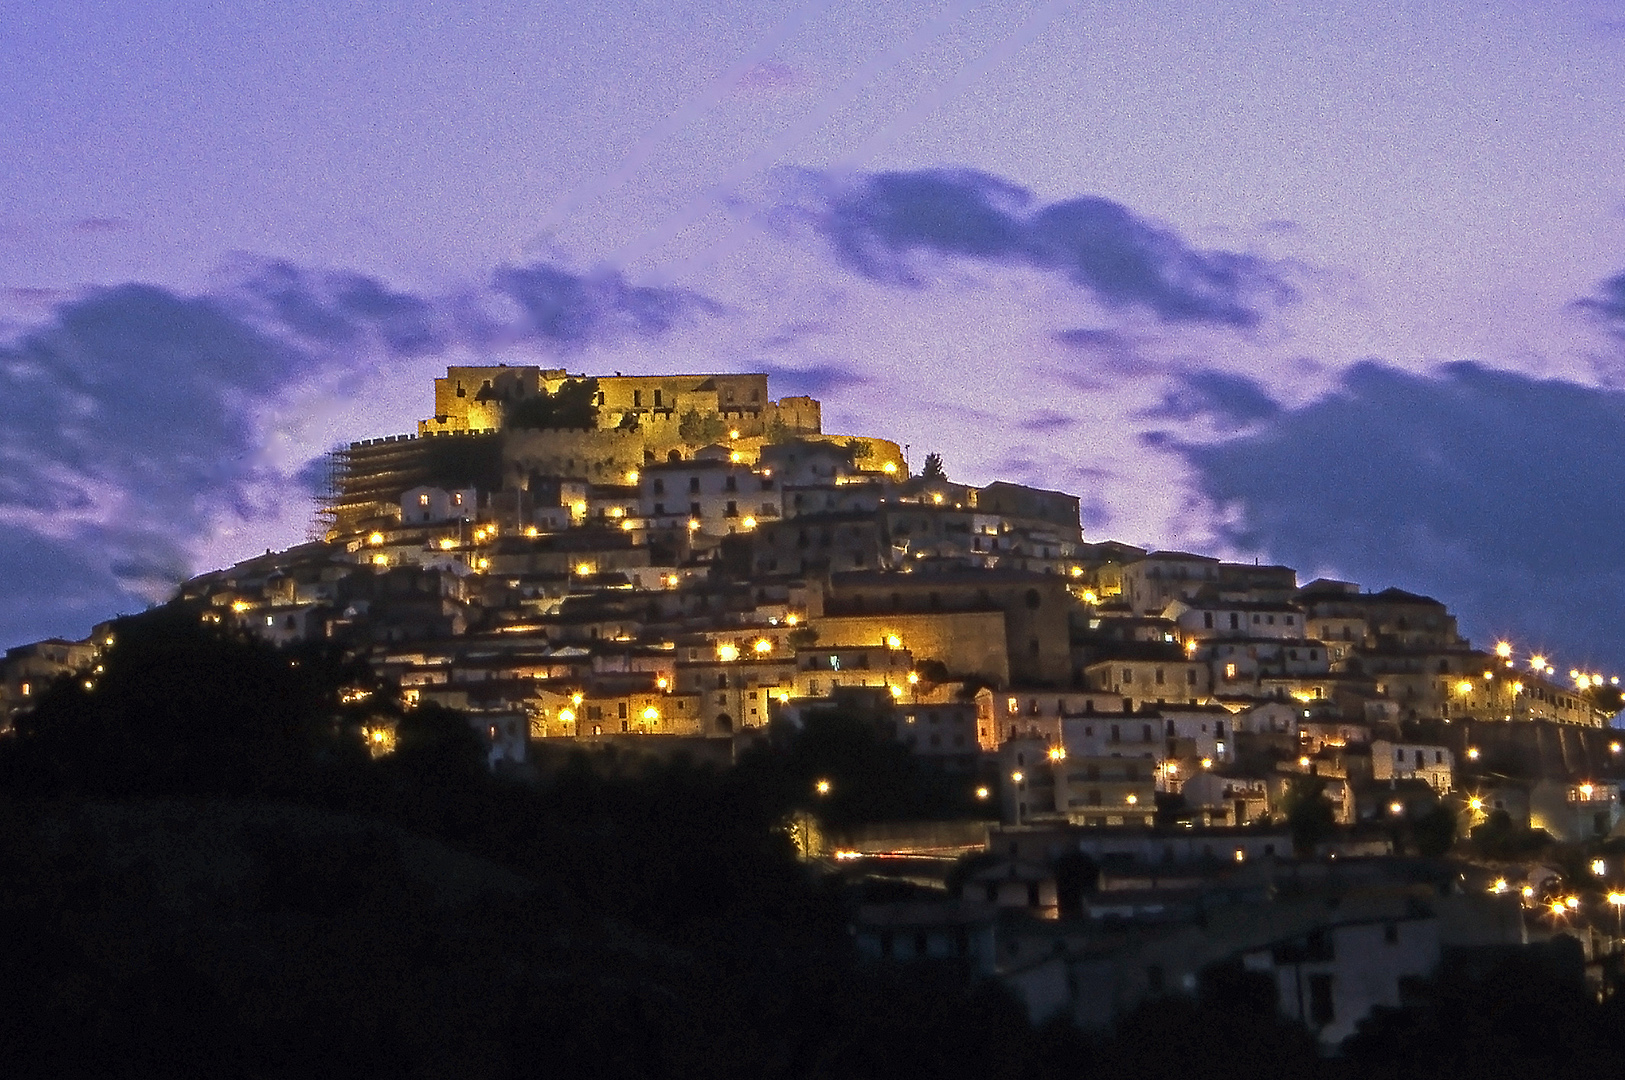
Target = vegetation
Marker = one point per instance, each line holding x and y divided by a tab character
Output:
1309	813
933	467
701	429
574	406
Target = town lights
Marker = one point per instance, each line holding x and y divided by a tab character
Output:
1057	753
1090	597
651	714
981	793
734	434
791	619
375	539
631	476
1207	763
727	651
693	525
447	543
1018	776
380	560
896	691
1303	762
567	716
1475	804
889	468
822	787
893	641
1557	907
1503	649
627	525
1396	808
579	509
1131	798
1464	687
913	678
748	524
576	698
583	569
662	682
1537	662
1472	753
1500	886
1599	867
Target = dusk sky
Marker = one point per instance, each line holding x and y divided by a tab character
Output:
1340	287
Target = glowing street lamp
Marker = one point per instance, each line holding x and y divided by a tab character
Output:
1503	649
822	787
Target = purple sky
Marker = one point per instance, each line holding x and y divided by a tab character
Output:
1340	288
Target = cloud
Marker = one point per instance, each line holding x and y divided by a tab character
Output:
101	225
341	309
139	419
1490	489
1608	307
1228	400
886	226
129	433
568	310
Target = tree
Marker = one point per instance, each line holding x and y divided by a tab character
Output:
933	467
777	431
1309	813
860	449
699	429
573	405
1435	831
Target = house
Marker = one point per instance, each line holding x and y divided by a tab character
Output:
1413	761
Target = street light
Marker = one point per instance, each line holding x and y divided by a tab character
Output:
822	787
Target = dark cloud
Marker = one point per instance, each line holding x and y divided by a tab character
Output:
1608	306
810	380
570	310
94	225
1489	489
342	309
127	433
1044	423
1228	400
132	425
60	587
880	225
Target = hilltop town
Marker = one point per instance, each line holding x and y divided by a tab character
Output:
1168	761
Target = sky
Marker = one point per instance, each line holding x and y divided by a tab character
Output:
1331	286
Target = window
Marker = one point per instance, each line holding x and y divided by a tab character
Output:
659	487
694	485
657	399
423	500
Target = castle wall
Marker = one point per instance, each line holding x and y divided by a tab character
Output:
600	457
